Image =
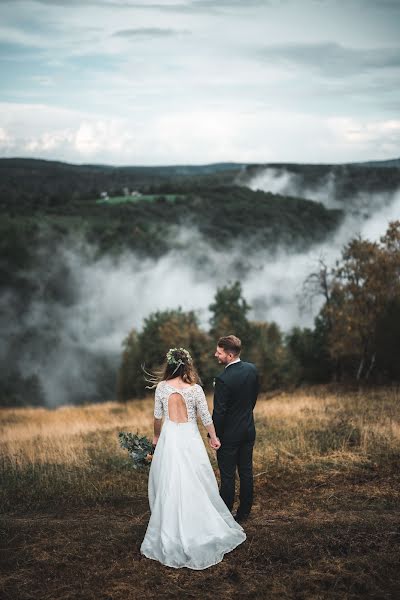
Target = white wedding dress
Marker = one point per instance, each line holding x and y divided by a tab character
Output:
190	525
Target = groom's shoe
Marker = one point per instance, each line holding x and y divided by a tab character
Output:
240	518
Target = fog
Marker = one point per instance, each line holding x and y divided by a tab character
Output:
367	215
71	335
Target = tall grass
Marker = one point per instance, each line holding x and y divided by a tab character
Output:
320	426
72	455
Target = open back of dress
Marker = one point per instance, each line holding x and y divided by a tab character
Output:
177	410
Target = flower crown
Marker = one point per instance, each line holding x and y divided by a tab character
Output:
173	360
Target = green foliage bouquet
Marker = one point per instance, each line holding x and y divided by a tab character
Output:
140	448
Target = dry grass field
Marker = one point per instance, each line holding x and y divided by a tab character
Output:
325	523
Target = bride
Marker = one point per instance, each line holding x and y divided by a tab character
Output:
190	525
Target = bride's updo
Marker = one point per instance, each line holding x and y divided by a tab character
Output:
179	363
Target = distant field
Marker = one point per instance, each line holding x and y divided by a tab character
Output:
325	523
150	197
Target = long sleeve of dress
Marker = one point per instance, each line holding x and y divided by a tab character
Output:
158	409
202	407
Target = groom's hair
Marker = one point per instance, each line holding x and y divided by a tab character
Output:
230	343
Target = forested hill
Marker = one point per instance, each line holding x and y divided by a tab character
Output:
144	206
60	198
37	183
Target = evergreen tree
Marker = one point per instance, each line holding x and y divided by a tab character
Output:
229	311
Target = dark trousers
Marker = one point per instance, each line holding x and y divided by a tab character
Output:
231	456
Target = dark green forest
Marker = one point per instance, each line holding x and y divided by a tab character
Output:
47	205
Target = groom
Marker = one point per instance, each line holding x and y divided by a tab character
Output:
235	396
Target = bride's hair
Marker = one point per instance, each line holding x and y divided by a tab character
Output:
178	363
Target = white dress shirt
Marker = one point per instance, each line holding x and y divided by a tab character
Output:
232	363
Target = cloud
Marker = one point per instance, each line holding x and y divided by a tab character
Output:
174	5
67	3
210	5
220	5
278	102
184	6
5	139
332	59
382	137
383	5
152	32
44	80
204	135
87	141
15	51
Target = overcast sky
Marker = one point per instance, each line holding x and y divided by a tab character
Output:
199	81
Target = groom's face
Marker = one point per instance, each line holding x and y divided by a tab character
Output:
223	357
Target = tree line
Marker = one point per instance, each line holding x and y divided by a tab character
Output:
356	334
28	184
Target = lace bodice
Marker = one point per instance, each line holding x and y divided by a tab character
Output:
195	400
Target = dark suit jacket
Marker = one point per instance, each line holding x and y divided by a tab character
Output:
235	396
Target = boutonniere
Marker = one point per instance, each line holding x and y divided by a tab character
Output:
214	382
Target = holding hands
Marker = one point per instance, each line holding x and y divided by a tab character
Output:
214	443
213	440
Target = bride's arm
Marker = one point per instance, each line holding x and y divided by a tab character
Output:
206	418
158	414
157	430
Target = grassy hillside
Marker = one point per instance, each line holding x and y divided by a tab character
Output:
324	525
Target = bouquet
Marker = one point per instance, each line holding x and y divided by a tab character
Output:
140	448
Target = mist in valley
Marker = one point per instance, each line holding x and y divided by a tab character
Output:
82	306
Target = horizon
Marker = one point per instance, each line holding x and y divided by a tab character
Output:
209	164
